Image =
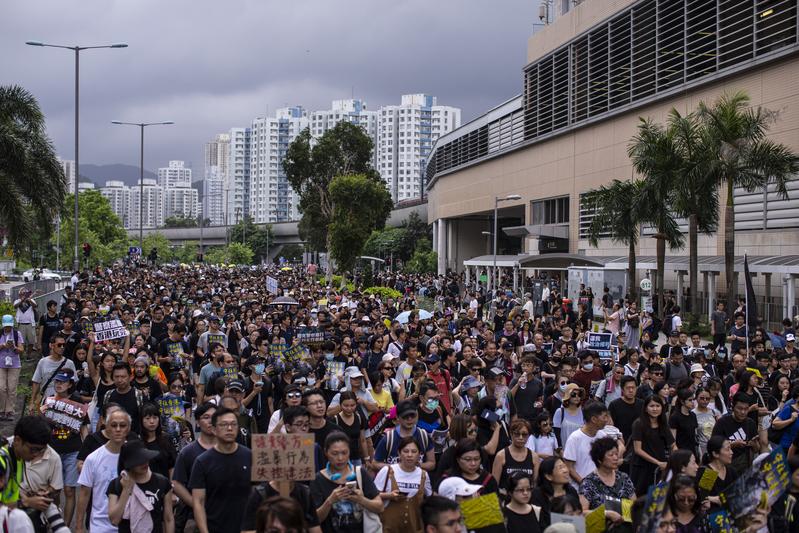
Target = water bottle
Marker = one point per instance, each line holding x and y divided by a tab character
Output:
523	381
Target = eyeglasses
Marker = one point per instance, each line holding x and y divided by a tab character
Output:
119	425
409	416
521	435
523	489
301	425
686	499
295	395
227	425
575	395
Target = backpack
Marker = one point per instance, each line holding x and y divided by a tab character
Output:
667	369
666	326
423	436
137	392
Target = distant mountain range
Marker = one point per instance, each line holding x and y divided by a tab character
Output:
99	174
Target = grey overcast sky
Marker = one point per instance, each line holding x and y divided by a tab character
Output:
213	65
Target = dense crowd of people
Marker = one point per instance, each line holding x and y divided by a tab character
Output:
414	413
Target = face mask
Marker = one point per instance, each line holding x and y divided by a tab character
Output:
555	360
311	381
563	387
428	329
259	368
329	356
588	366
432	404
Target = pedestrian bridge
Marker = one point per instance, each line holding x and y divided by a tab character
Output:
283	232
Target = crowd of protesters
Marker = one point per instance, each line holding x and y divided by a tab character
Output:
413	412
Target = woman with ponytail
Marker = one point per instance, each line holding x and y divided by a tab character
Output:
718	458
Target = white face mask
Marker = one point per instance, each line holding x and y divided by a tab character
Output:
563	387
588	366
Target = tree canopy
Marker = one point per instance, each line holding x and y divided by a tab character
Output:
257	238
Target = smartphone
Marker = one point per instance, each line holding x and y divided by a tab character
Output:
490	416
352	485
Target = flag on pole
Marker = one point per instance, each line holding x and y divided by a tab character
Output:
751	302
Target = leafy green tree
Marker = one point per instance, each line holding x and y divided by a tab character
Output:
239	254
292	252
655	156
98	225
179	221
739	155
31	177
257	237
616	214
216	255
158	241
311	167
424	259
389	241
360	204
188	252
416	227
695	192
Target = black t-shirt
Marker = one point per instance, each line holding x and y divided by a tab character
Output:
185	461
158	330
353	431
728	427
63	440
260	404
624	414
226	480
93	441
166	456
50	325
484	434
168	347
655	442
321	434
519	523
130	404
523	401
150	389
686	426
71	342
156	490
300	494
344	516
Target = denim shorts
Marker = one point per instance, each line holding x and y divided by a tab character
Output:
69	469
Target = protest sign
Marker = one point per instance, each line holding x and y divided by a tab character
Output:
293	355
595	520
653	508
109	329
271	285
600	343
771	477
708	479
66	414
311	336
335	374
276	349
482	512
283	457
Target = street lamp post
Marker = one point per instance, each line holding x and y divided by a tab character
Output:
77	50
141	126
497	199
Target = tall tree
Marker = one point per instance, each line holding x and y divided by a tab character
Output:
360	205
256	237
616	214
654	156
311	166
696	194
180	221
740	155
31	177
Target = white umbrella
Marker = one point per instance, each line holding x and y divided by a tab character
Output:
402	318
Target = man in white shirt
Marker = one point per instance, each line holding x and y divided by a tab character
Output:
545	298
577	451
99	469
26	319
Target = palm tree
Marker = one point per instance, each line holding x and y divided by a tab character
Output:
32	181
739	155
615	214
696	194
654	155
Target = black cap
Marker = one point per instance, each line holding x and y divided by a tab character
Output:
235	384
137	454
405	407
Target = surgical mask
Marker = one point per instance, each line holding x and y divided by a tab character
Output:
432	404
311	381
428	329
588	366
329	356
563	387
259	368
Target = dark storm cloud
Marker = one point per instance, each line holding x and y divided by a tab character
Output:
211	65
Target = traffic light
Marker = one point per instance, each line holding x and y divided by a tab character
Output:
87	249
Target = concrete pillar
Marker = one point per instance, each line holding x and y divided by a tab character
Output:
452	252
467	275
680	286
766	313
441	247
711	293
704	290
435	235
515	280
790	287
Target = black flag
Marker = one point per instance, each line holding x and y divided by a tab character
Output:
751	302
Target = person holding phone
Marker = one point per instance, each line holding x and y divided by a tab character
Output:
404	485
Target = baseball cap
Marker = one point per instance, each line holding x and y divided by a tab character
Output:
196	313
388	357
63	376
507	346
405	407
235	384
471	382
674	333
494	372
790	337
457	486
8	321
354	372
432	358
213	318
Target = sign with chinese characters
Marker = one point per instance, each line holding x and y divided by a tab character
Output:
65	413
283	457
271	285
109	329
601	343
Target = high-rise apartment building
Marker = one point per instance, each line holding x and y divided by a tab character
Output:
180	202
236	185
217	155
118	195
213	197
68	166
406	134
152	205
175	175
353	111
271	197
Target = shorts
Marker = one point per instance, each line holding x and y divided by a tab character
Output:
69	469
28	332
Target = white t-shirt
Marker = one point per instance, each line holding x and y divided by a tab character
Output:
274	419
543	445
676	322
99	469
407	482
15	520
578	449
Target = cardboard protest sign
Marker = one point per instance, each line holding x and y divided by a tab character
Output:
708	479
276	349
335	373
595	520
653	508
600	343
109	329
482	512
66	414
283	457
294	355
